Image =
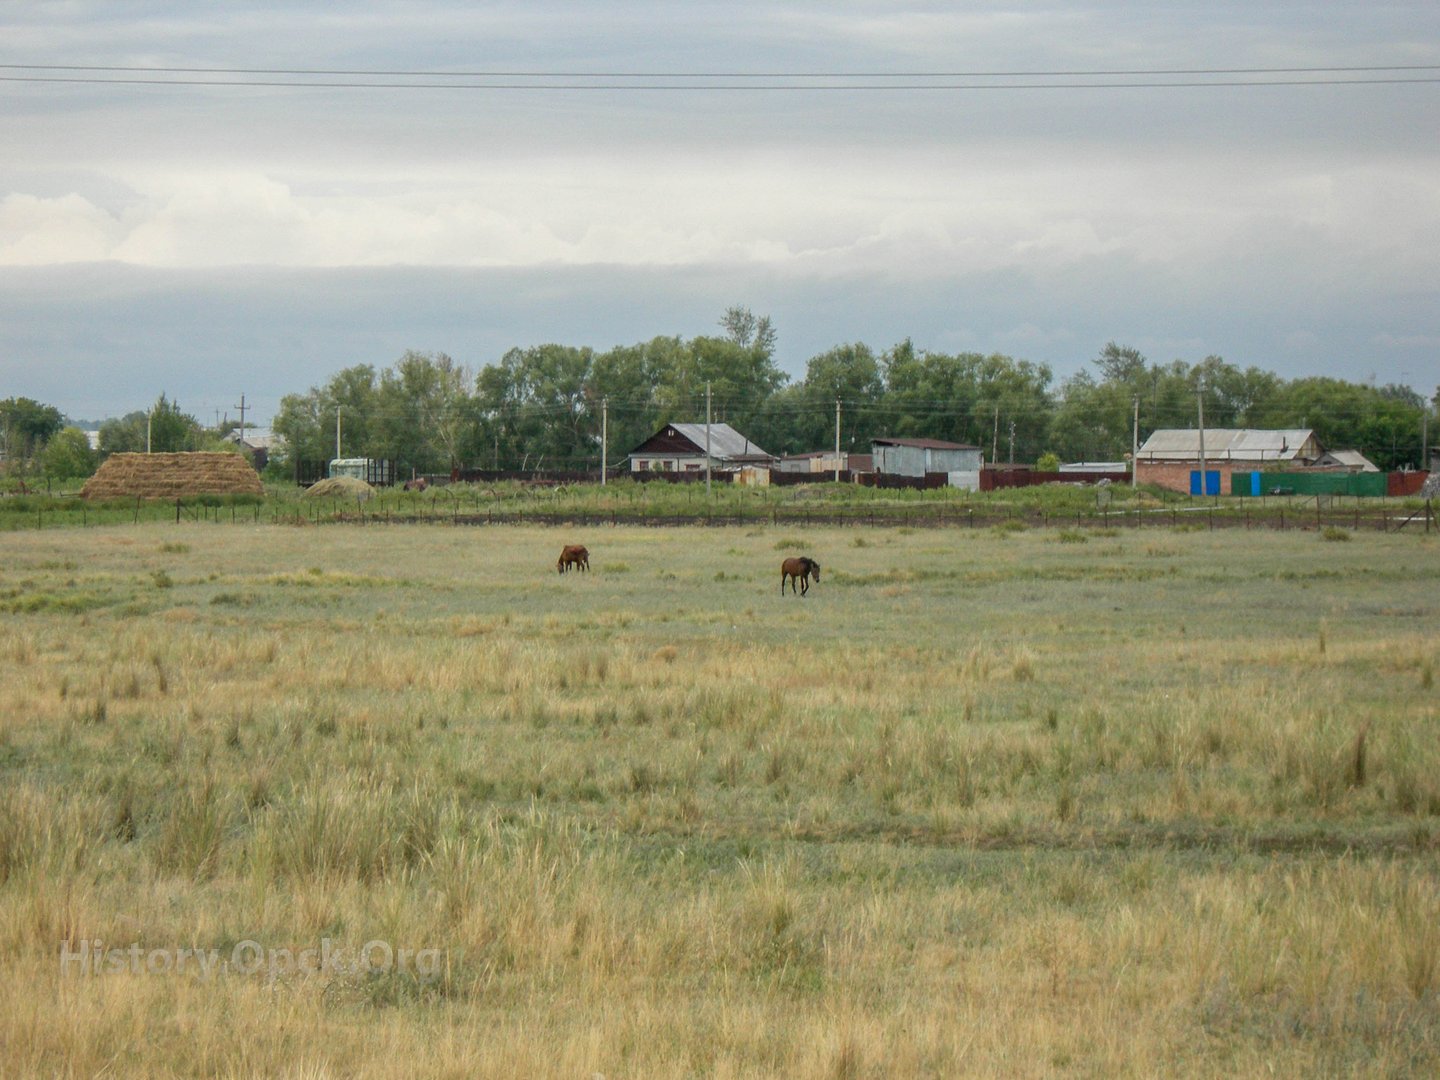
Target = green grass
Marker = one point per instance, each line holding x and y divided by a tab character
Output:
983	801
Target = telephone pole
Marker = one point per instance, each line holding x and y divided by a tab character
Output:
707	439
1200	405
337	431
241	407
1135	444
604	439
995	438
1012	442
837	440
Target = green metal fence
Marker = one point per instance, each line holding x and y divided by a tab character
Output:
1370	485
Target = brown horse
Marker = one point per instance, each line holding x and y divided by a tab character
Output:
799	570
573	555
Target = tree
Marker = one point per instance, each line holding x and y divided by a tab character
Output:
539	408
163	429
749	332
25	426
173	431
424	409
308	421
1121	364
67	456
969	398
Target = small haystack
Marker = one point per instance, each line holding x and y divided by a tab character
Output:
340	487
172	476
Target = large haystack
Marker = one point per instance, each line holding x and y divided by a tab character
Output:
172	476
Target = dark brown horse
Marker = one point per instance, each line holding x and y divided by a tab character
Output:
799	570
573	556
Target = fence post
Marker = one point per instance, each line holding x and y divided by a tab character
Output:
177	511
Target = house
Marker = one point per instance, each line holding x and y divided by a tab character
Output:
681	448
258	443
917	457
1170	456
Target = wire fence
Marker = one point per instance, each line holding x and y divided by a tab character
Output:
442	508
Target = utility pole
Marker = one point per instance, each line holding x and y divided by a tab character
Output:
707	438
241	407
337	431
1200	405
149	419
995	438
837	440
1012	442
604	439
1135	443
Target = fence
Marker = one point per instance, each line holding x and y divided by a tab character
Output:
1364	485
995	479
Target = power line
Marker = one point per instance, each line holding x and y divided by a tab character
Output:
562	74
767	81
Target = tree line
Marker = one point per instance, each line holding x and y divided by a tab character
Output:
546	407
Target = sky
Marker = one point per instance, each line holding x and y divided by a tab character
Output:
858	171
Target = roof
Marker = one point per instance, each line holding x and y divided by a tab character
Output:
255	438
725	442
1350	459
1245	444
923	444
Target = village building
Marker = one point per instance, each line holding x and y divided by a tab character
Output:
927	459
258	444
680	448
1170	457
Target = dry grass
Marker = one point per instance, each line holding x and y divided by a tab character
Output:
980	803
172	476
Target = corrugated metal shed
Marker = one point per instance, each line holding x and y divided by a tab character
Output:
916	457
1232	444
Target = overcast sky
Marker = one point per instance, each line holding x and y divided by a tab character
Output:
210	241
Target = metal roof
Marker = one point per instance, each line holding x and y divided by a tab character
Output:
1351	459
923	444
1246	444
725	441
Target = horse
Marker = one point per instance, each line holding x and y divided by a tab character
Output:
417	484
799	569
573	555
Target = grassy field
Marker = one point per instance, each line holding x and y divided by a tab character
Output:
994	801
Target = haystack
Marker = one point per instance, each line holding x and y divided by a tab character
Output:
172	476
340	487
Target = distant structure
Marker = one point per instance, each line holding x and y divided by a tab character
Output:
1347	460
1170	457
929	460
258	443
680	448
